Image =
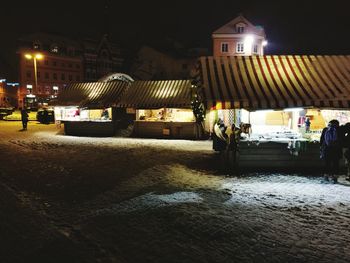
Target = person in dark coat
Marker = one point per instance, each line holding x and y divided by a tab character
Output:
331	149
24	118
345	133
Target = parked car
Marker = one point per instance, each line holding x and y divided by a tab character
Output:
5	111
45	116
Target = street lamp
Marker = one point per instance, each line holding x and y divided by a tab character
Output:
34	57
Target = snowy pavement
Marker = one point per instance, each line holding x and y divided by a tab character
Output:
144	200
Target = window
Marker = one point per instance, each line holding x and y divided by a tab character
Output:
46	62
77	78
38	73
255	49
63	77
54	49
63	65
54	63
54	76
240	29
224	47
36	45
184	66
77	66
70	65
29	74
240	48
70	77
46	75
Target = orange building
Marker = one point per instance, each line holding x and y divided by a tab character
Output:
58	62
239	37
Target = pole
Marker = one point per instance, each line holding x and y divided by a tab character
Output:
35	76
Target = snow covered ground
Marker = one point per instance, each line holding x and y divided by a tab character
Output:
80	199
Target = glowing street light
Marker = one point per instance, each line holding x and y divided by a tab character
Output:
34	57
264	43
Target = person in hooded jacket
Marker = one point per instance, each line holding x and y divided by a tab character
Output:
331	149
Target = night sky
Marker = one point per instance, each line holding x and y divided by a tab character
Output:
292	27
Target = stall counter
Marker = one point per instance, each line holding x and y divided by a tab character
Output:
165	129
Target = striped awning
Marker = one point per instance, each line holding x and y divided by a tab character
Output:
157	94
274	82
92	94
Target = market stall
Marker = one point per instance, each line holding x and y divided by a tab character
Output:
85	109
288	100
163	109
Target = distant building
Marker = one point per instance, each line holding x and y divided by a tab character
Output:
8	88
101	58
63	61
154	64
239	37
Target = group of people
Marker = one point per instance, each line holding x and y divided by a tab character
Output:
226	140
334	145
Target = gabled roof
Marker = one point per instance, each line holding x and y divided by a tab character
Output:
230	27
275	82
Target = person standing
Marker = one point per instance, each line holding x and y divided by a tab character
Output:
24	118
345	132
331	150
307	124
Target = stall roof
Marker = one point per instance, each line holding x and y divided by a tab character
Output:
274	82
157	94
92	94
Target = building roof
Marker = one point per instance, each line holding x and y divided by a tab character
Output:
274	82
230	27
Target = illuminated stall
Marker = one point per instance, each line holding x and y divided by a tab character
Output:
288	100
162	108
87	108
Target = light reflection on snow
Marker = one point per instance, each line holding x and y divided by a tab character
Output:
283	190
151	201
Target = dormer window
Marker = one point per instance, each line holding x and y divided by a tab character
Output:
36	45
54	49
240	29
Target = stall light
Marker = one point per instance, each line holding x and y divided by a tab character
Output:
29	86
30	96
293	109
2	80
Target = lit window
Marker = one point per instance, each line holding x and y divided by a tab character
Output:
255	49
54	49
240	48
224	47
36	45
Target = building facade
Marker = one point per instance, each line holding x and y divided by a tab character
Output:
47	63
239	37
153	64
101	58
